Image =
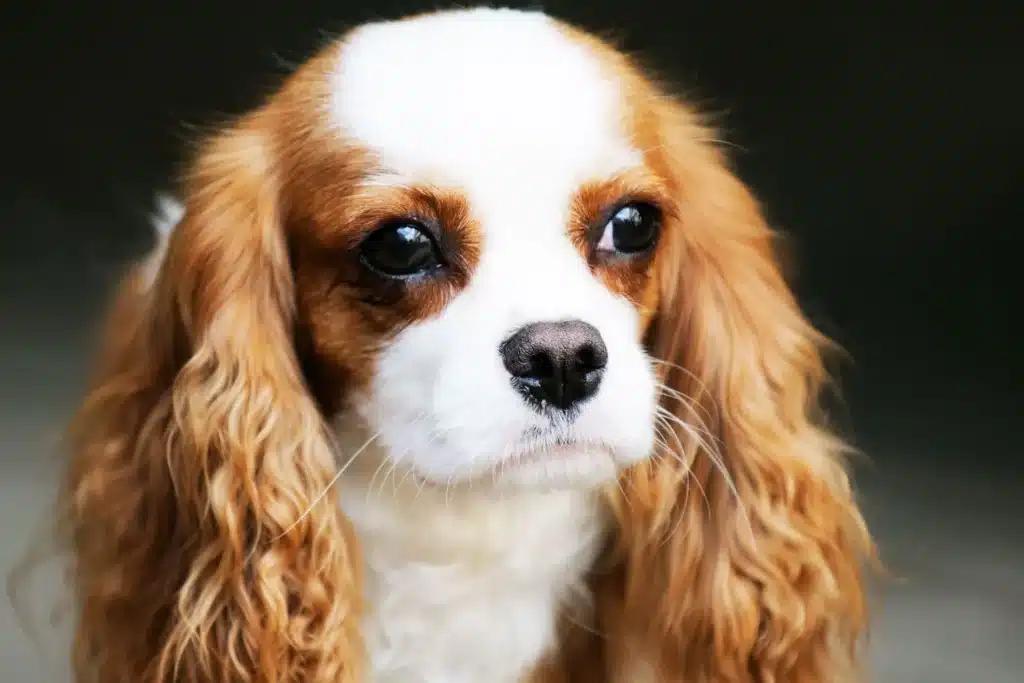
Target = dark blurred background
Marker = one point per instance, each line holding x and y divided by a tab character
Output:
885	137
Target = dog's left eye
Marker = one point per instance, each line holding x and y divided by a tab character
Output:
632	229
400	250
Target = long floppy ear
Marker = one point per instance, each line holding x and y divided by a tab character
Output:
203	547
741	543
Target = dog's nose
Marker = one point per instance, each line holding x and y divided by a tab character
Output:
557	364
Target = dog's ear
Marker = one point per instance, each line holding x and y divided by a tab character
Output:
741	543
204	546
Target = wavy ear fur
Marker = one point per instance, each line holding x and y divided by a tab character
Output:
203	549
741	544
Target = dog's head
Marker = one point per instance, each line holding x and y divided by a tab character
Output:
486	243
492	249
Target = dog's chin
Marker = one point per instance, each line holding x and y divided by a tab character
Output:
550	468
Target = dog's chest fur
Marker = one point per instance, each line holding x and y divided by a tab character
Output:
468	590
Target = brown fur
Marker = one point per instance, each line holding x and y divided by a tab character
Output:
206	549
632	278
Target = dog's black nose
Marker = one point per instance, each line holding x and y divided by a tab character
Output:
557	364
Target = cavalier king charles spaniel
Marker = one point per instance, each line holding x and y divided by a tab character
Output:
467	360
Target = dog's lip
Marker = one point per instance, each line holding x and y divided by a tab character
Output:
558	449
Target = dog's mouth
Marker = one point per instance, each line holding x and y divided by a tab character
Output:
553	444
539	439
555	461
555	451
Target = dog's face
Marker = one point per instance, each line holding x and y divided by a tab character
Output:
486	273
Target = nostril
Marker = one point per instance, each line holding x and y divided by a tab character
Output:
589	358
542	365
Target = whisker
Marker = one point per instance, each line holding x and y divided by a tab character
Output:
330	485
695	430
691	477
690	402
685	461
408	473
715	456
447	490
388	475
376	472
701	386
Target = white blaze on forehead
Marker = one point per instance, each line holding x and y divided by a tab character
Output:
500	103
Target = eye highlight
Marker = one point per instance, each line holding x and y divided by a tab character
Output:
401	249
632	229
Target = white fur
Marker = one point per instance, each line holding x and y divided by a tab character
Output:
169	213
467	569
464	588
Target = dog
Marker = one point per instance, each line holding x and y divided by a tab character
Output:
465	358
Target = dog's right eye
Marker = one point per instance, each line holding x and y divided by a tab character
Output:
401	250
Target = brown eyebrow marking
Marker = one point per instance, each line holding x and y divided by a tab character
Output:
595	198
634	278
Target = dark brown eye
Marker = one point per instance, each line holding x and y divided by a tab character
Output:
401	250
632	229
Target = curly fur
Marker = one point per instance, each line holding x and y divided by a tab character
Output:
202	547
205	549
